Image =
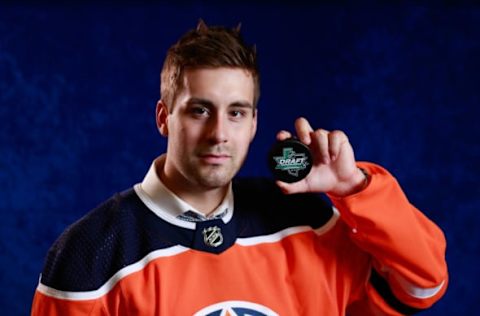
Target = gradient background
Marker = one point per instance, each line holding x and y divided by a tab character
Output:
78	87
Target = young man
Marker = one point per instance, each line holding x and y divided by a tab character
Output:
189	240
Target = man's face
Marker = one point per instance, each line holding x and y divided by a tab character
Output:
210	127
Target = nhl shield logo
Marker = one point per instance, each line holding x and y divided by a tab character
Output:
212	236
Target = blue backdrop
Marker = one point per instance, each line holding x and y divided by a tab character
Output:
78	87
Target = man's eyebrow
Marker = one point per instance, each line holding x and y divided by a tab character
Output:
208	103
241	104
200	101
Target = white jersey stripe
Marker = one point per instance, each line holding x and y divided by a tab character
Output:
275	237
172	251
416	291
104	289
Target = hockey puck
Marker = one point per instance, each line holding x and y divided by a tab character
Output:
290	160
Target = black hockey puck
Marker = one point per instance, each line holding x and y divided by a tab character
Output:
290	160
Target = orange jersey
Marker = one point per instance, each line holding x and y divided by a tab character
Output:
371	254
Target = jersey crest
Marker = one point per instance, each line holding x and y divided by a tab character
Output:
236	308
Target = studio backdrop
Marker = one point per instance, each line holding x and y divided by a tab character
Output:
79	85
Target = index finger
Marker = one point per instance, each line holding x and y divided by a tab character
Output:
304	130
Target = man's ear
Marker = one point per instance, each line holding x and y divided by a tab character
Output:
161	115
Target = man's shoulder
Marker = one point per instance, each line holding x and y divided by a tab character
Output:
90	250
261	199
265	191
255	186
100	221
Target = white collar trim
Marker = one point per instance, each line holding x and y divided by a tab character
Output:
167	205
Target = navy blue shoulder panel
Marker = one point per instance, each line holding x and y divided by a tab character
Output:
122	231
117	233
261	208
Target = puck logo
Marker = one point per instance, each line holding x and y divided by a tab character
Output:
291	161
236	308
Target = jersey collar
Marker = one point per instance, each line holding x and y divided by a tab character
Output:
168	206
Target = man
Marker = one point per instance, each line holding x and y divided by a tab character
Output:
189	240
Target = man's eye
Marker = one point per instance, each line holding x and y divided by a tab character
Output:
237	114
199	111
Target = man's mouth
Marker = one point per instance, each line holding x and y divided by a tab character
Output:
214	159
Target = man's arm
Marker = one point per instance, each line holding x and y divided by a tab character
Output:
409	271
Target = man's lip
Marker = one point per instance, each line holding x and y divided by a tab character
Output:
213	154
214	158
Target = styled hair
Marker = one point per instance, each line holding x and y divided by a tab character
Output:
207	47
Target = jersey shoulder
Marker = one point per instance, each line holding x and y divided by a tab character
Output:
98	245
262	200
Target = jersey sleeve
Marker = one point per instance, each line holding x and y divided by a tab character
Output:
409	271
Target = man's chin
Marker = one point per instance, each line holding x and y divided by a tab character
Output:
213	180
214	183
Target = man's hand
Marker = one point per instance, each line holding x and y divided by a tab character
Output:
334	170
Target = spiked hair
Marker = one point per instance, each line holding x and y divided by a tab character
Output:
207	47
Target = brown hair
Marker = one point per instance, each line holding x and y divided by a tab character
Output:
207	47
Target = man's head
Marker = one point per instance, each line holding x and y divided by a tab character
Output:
208	108
207	47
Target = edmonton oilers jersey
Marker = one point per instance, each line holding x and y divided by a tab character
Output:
277	255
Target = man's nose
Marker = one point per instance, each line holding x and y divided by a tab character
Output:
218	129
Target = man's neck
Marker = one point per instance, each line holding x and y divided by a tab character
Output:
204	200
